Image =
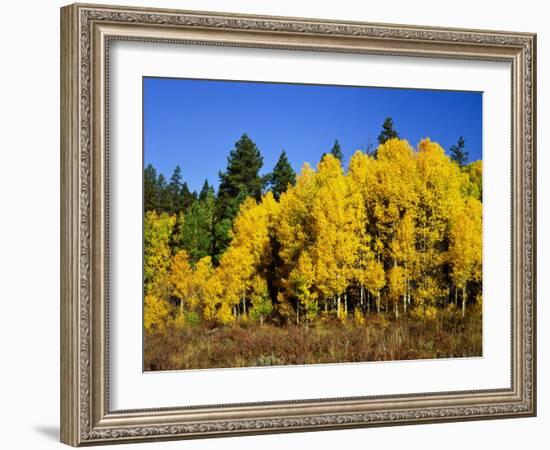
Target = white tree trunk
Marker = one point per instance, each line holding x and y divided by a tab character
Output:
456	296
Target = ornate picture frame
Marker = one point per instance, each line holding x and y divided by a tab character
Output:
87	32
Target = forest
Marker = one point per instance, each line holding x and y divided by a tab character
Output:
376	258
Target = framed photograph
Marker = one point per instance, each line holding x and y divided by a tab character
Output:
276	224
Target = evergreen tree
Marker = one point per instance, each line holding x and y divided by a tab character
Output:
459	154
206	191
150	188
174	191
186	197
282	177
195	231
162	201
336	151
222	227
388	131
240	180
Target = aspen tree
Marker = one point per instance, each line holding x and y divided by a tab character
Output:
294	232
465	251
157	229
156	263
302	281
336	240
440	188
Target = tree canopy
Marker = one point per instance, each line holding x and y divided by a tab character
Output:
282	176
459	154
399	233
388	131
240	180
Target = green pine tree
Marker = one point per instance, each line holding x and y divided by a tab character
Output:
206	191
241	179
459	154
388	131
173	193
186	197
150	188
337	151
282	177
162	200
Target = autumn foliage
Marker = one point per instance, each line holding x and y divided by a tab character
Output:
397	233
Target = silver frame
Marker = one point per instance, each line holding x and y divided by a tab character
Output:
86	33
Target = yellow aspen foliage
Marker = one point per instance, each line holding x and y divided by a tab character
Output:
358	316
248	254
474	184
335	230
302	281
375	277
157	254
294	228
231	280
207	286
212	291
198	289
224	315
294	234
396	286
155	313
465	250
439	194
440	189
369	272
404	254
182	279
261	303
394	190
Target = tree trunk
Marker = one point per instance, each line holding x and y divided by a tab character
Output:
378	303
338	306
368	302
244	304
396	308
456	297
346	304
463	301
261	319
404	303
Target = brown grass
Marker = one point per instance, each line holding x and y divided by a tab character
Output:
379	339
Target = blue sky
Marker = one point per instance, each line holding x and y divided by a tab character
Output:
195	123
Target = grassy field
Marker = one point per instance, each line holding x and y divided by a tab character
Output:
378	339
